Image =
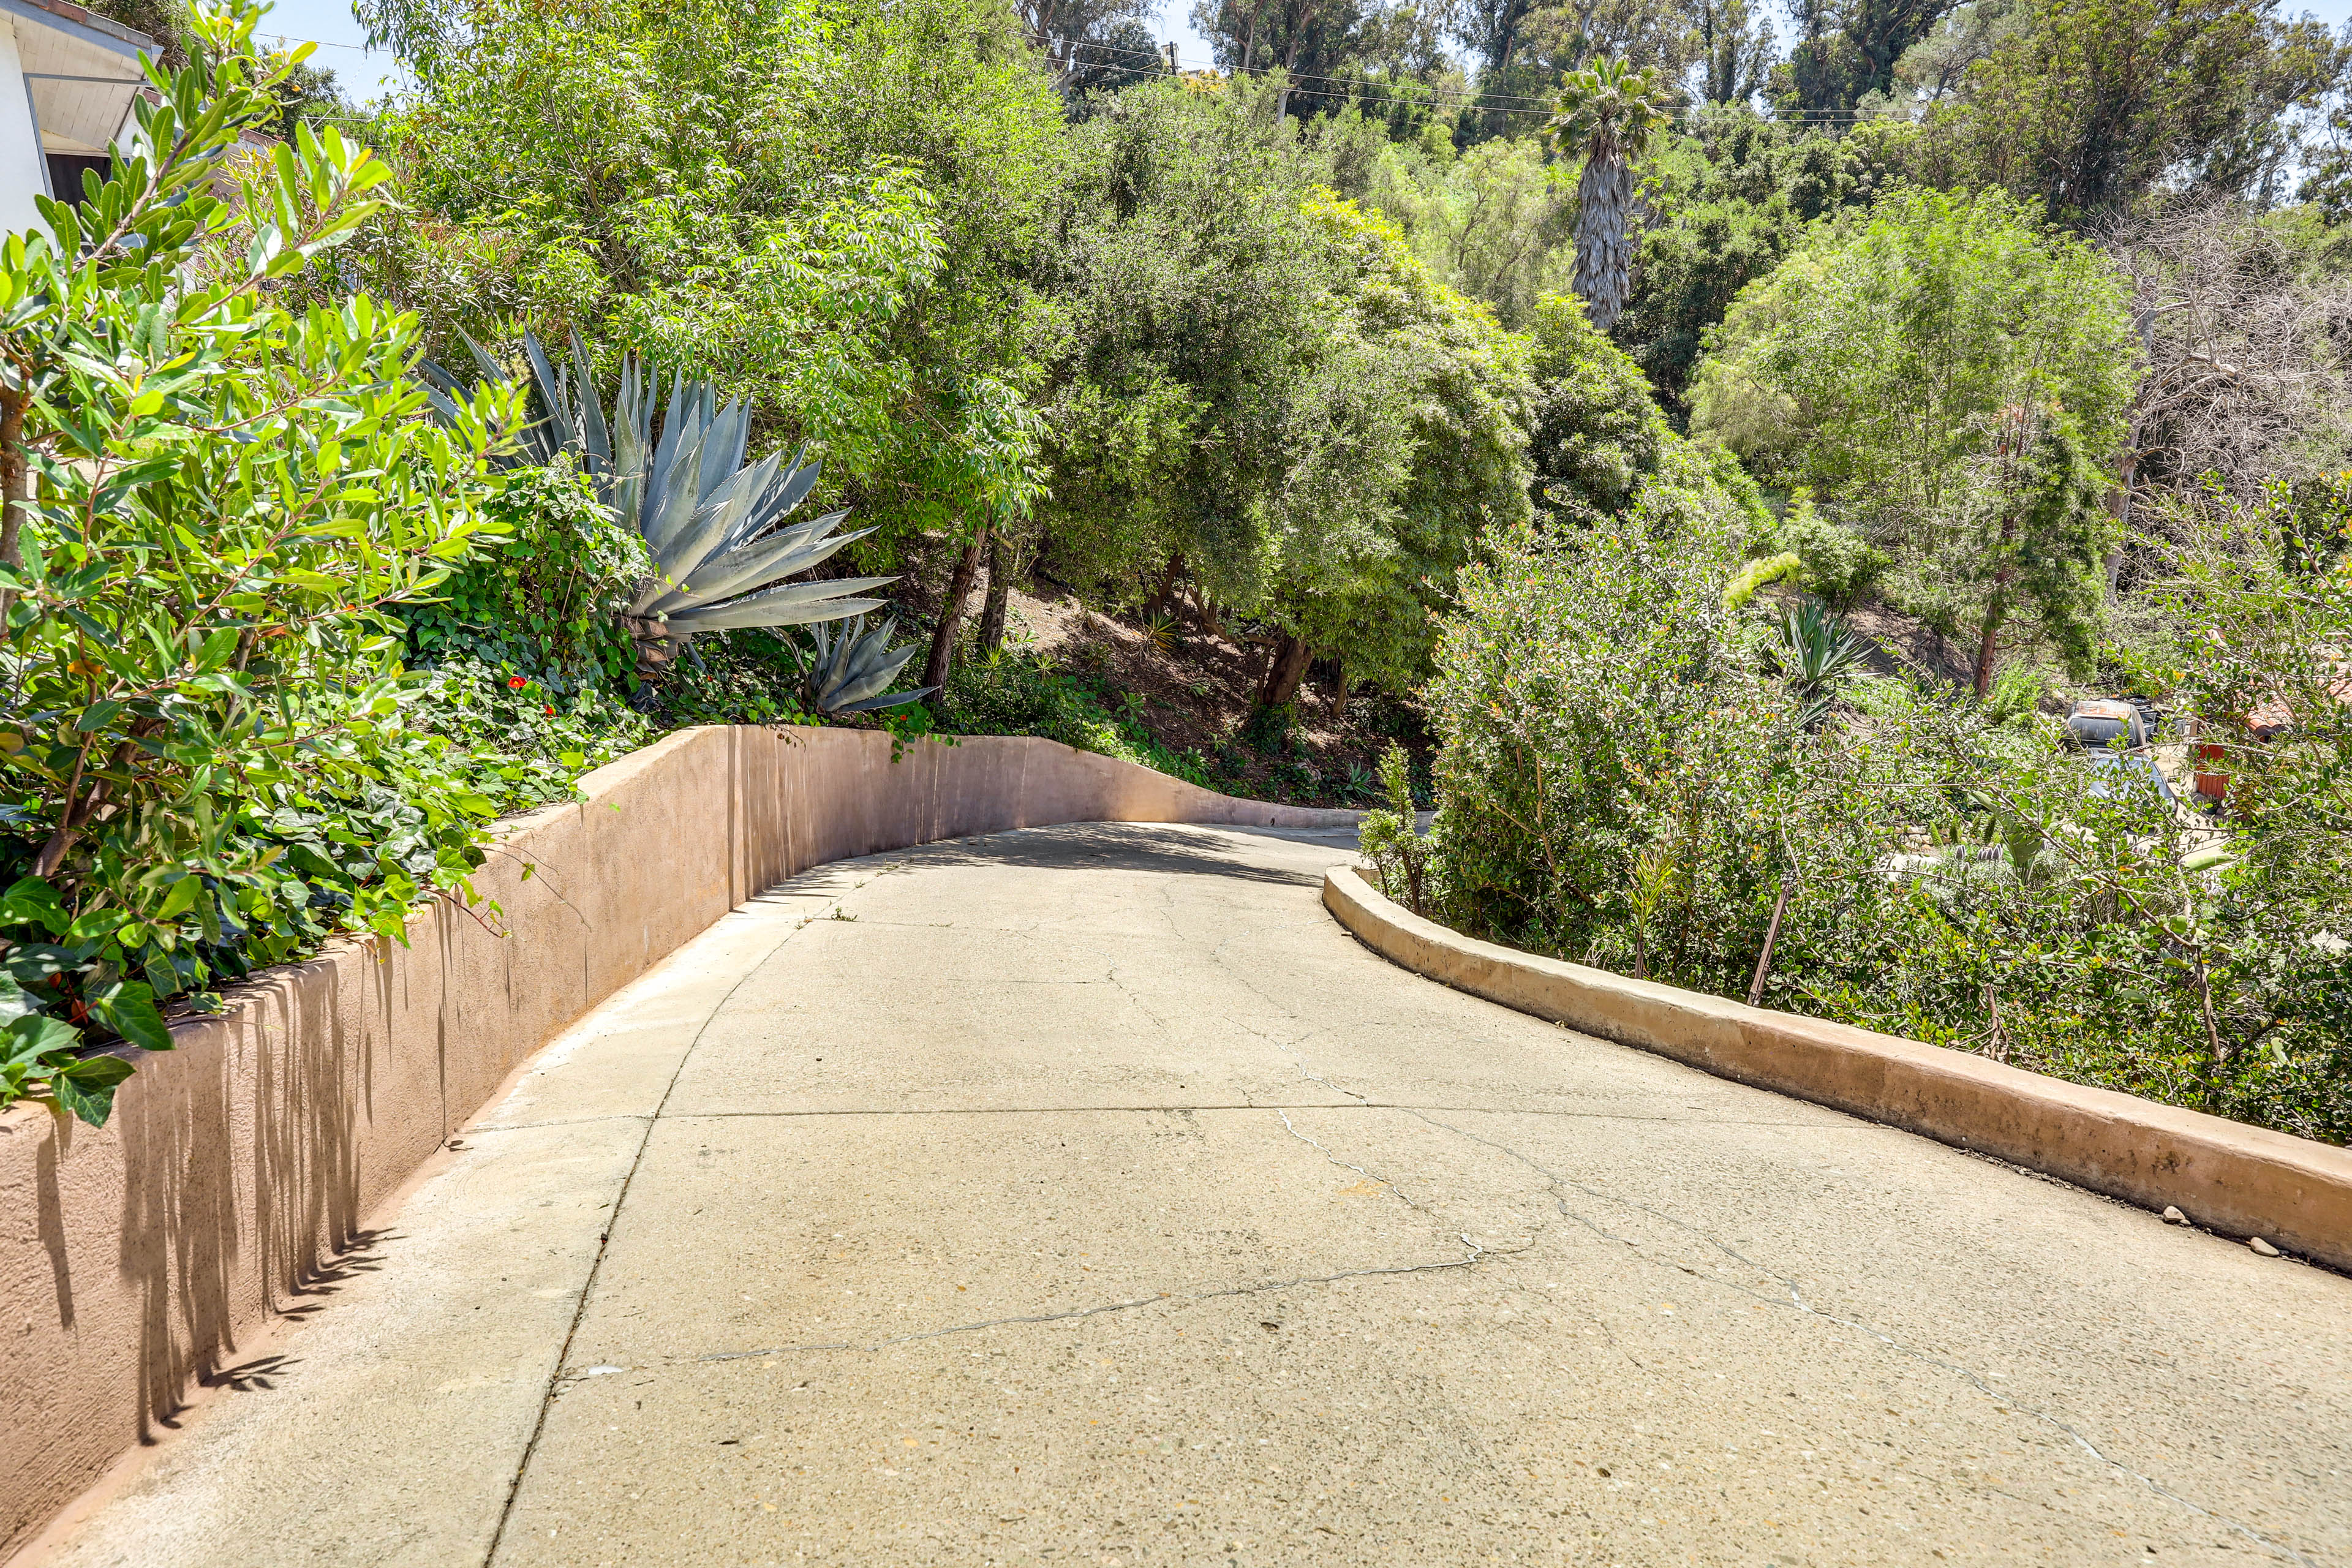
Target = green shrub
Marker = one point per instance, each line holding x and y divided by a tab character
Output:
1838	565
1624	782
541	605
1017	693
205	761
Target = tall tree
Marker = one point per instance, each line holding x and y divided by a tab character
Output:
2091	104
1735	51
1846	50
1609	114
1061	30
1306	45
1949	377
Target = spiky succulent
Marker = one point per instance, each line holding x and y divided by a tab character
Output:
713	526
852	671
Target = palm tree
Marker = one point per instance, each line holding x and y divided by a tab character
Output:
1608	112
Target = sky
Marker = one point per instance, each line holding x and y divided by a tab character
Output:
329	23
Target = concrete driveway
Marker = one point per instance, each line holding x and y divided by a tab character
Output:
1086	1195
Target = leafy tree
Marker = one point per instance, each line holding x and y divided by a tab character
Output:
1063	30
1935	69
832	211
1405	448
1307	42
1594	433
1944	374
210	494
1735	51
1260	391
1528	49
1183	306
1117	55
1609	114
1731	199
1494	222
1846	50
2088	104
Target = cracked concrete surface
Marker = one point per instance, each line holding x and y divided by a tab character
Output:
1086	1195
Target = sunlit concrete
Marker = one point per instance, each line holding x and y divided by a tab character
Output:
1088	1195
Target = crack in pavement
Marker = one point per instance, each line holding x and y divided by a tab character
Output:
1795	1302
1474	1254
604	1241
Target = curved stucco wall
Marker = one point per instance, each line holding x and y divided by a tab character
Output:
136	1257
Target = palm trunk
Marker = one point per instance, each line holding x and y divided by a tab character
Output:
1604	254
999	593
967	567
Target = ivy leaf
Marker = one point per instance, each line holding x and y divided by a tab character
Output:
34	1036
128	1007
86	1088
33	902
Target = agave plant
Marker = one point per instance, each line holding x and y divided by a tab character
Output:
1816	653
852	671
713	525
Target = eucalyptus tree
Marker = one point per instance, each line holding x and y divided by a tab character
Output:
1609	114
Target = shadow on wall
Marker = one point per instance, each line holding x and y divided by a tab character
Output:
182	1240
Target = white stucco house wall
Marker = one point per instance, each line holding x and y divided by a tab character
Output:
67	81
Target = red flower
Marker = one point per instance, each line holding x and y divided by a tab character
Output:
551	707
516	683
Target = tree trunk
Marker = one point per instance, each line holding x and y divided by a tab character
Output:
15	490
1000	590
967	567
1165	594
1290	61
2127	480
1284	670
1210	620
1989	644
1604	253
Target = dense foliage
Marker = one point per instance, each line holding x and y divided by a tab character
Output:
1631	776
212	497
1564	374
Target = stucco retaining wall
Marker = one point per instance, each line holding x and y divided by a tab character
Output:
136	1259
2242	1181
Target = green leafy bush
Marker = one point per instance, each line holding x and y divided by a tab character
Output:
1631	776
1017	693
543	604
211	500
1837	563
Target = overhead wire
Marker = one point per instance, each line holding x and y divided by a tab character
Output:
1501	103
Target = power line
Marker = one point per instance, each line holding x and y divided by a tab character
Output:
320	43
1500	104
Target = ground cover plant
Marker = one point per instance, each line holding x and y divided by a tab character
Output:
211	496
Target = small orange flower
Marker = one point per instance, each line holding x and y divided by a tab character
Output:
516	683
